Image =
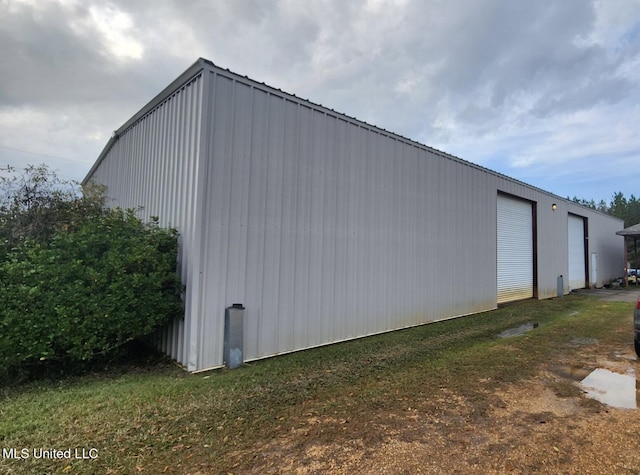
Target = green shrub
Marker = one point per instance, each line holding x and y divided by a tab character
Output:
93	284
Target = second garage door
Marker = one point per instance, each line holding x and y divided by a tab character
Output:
577	263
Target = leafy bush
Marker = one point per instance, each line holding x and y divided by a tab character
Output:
84	285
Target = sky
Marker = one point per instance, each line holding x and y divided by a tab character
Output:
545	92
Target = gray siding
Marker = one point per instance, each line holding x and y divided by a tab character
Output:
155	163
327	229
611	259
324	227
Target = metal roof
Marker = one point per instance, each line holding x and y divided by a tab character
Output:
204	64
631	231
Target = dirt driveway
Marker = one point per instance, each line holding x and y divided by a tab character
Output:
547	424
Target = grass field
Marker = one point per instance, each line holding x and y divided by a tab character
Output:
160	419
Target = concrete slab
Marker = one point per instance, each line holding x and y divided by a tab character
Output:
613	295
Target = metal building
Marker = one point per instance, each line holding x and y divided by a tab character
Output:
327	228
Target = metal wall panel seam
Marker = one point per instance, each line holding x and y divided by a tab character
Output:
174	207
279	109
187	155
383	224
171	181
418	269
194	308
184	222
332	241
361	248
365	267
299	230
240	175
253	265
152	137
288	247
342	204
218	216
174	178
354	147
356	221
136	158
213	267
364	252
322	181
159	165
265	241
190	267
318	196
314	325
336	238
229	199
256	258
154	168
308	226
299	129
274	138
281	337
312	264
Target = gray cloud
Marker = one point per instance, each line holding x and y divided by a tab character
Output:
38	52
512	85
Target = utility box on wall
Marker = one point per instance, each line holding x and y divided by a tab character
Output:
560	286
233	336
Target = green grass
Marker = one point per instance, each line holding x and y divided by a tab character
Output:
165	420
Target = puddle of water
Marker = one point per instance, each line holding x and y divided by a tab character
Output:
612	389
521	330
571	372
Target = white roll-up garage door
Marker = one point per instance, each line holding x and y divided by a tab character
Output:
515	249
576	252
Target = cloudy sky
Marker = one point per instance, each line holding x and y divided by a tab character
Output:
546	92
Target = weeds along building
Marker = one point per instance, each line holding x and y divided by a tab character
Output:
326	228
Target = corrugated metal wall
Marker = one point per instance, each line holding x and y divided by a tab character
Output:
610	252
154	163
324	227
327	229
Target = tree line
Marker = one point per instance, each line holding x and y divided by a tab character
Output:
627	209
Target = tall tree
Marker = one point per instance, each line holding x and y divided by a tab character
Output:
618	207
633	211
